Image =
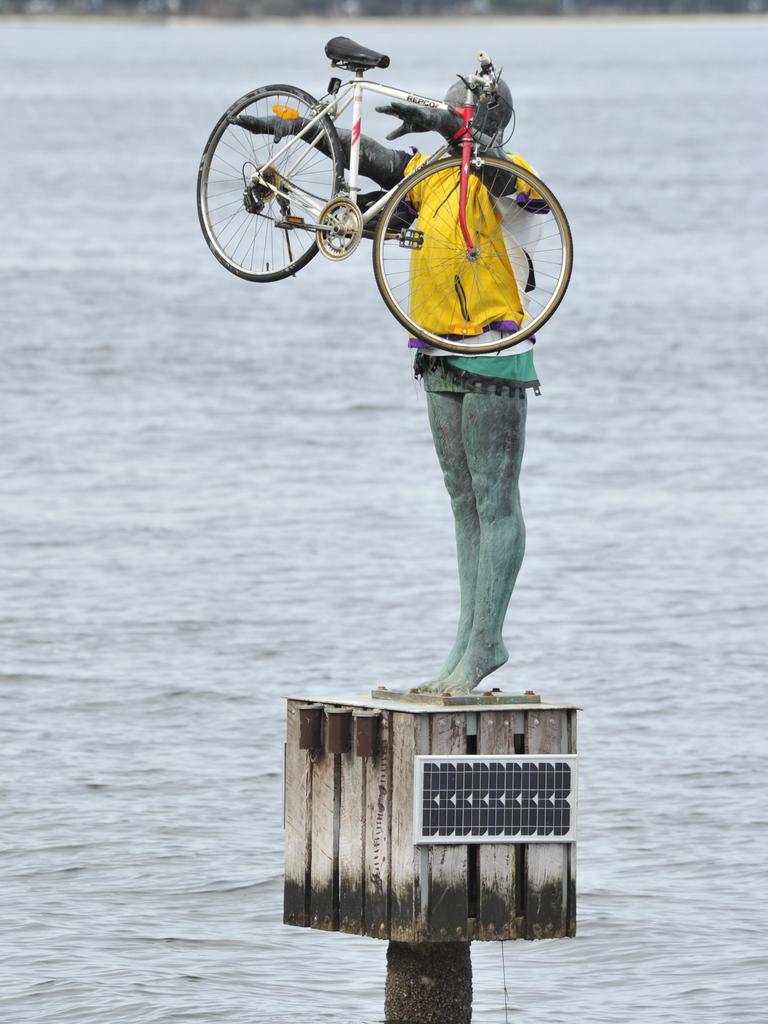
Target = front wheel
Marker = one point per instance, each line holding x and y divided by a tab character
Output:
260	189
493	296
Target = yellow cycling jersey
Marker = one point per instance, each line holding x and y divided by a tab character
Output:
449	294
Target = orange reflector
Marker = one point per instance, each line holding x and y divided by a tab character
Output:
287	113
464	329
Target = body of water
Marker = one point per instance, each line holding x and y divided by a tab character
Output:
216	494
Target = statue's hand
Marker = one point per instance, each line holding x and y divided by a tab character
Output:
421	119
276	126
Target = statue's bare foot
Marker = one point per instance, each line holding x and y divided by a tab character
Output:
451	661
434	685
474	665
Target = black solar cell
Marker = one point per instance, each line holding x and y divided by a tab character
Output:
502	798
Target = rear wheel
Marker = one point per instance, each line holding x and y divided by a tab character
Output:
256	219
511	283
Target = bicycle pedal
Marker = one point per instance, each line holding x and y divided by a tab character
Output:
294	222
411	239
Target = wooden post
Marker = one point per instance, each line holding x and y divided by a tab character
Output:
297	813
351	843
498	870
448	907
377	841
406	924
573	749
546	884
324	860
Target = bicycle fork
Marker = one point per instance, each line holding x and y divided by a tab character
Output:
465	135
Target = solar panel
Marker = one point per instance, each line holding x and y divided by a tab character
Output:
495	799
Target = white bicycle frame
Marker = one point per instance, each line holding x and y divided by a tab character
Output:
351	94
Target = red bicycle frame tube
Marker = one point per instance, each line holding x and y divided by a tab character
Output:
465	134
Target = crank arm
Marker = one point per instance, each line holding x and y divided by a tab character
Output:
304	225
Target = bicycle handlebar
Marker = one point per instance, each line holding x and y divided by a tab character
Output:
486	80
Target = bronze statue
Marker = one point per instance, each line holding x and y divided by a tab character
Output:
477	412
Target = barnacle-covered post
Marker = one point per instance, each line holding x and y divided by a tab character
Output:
431	821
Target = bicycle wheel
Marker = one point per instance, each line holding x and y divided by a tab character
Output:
258	227
513	280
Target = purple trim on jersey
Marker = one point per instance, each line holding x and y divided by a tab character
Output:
497	325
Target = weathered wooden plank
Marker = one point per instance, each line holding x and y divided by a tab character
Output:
351	843
572	749
546	882
406	925
297	824
324	869
496	863
448	888
572	733
378	833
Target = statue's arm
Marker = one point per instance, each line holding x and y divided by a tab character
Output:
383	165
387	166
424	119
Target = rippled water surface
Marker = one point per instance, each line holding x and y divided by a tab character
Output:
216	494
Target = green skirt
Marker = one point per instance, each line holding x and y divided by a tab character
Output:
477	374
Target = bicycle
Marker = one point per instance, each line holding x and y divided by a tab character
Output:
269	201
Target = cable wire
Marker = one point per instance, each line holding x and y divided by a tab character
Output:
506	993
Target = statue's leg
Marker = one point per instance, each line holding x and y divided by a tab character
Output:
493	431
445	419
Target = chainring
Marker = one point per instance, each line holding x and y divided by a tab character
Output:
341	228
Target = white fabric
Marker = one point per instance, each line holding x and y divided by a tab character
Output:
522	233
485	338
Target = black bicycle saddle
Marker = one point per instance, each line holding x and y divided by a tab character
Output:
346	53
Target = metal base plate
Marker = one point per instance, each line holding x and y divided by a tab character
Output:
483	697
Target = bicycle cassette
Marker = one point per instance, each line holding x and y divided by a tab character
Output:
340	229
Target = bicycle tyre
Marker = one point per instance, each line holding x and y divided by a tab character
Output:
446	258
239	238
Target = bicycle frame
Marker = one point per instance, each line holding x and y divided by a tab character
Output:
278	184
351	94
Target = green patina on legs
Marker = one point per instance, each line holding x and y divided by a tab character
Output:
479	439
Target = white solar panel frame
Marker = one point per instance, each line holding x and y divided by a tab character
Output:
421	760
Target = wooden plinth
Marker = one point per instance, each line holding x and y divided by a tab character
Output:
350	861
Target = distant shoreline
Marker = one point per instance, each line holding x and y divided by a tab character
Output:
568	21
